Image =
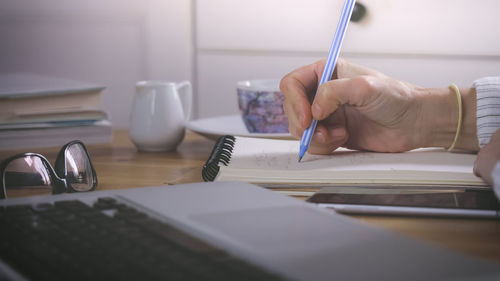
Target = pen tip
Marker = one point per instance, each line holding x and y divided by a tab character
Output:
300	158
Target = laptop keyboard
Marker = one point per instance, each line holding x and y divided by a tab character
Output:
70	240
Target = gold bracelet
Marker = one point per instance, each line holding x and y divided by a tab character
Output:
455	89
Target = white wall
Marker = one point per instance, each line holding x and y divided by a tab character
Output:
427	42
110	42
215	43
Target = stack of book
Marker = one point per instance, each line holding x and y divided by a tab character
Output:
40	111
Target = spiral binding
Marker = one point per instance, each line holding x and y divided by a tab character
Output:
221	155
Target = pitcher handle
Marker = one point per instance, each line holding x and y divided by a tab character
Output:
185	91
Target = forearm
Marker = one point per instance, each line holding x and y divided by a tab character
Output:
439	115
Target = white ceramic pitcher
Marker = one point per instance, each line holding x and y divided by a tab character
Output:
159	112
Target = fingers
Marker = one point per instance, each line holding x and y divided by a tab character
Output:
487	158
330	134
484	165
356	91
298	87
326	141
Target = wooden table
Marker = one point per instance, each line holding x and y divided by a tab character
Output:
120	165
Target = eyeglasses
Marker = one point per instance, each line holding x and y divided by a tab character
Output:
32	174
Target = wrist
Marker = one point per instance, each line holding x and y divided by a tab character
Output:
439	118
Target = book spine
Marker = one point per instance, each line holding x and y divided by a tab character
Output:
221	155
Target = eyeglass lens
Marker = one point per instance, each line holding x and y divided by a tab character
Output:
78	168
27	176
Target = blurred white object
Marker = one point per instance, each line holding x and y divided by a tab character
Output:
159	113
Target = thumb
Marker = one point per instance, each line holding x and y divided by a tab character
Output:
332	94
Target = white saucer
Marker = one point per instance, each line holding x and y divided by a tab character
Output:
215	127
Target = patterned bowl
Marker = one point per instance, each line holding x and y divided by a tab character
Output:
261	106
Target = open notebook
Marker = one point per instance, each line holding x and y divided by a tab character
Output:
271	162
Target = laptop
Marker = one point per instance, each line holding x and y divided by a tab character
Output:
209	231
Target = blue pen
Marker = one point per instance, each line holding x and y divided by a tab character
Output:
331	61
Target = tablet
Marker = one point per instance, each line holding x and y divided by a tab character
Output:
461	203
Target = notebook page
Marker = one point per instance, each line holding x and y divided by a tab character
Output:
283	155
266	160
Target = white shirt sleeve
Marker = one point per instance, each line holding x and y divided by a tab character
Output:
488	108
488	118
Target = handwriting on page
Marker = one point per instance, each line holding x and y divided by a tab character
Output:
283	156
288	161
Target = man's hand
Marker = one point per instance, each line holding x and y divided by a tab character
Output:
359	109
487	157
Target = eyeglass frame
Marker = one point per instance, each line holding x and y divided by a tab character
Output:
60	185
